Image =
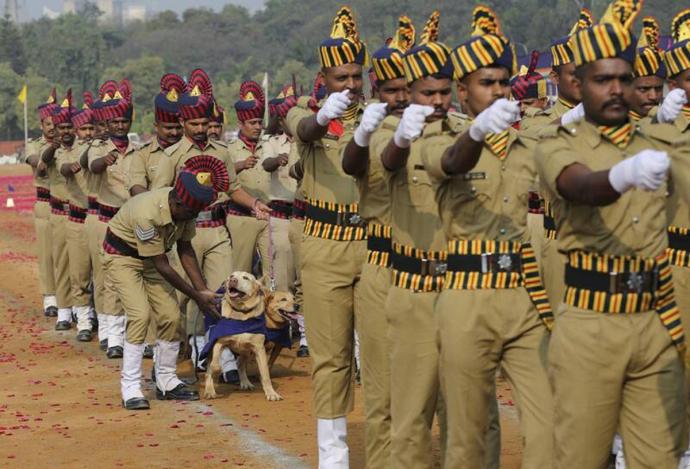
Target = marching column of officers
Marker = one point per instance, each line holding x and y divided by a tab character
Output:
548	241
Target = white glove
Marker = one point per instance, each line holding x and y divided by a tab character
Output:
411	124
646	170
495	119
371	119
671	106
334	107
576	114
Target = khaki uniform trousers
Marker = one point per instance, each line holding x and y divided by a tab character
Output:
46	274
214	254
145	295
553	267
111	301
63	288
330	275
93	228
616	371
681	287
79	262
415	397
480	330
295	234
374	348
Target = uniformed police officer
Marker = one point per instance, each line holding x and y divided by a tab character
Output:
613	370
493	309
112	161
375	207
650	72
216	127
32	156
333	248
135	246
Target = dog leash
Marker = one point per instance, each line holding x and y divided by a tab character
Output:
271	273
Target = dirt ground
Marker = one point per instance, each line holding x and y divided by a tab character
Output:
60	402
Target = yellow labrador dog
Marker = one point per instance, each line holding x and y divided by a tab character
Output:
244	300
280	310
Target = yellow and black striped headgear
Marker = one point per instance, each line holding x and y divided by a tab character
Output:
388	61
650	59
612	37
343	46
487	46
561	49
678	56
429	57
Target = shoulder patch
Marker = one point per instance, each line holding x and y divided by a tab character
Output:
145	234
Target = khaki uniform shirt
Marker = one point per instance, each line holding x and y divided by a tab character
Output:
256	181
113	189
77	184
282	186
58	183
144	165
544	118
635	224
145	224
414	213
491	201
169	168
36	147
324	179
374	191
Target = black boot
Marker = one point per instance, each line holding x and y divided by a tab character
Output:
114	352
51	312
148	352
303	351
103	345
62	325
180	393
230	377
85	335
136	403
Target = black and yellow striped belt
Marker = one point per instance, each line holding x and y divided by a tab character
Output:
379	244
679	246
330	220
418	270
550	228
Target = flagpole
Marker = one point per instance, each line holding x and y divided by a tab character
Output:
26	121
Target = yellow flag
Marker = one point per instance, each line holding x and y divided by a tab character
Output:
22	94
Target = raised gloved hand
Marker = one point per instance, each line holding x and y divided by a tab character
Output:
574	115
334	107
646	170
671	106
495	119
411	124
371	119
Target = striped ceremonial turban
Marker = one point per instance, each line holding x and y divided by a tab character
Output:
528	83
63	114
85	114
120	105
487	46
218	114
429	57
678	56
200	181
46	109
388	61
343	46
561	49
252	102
612	37
105	94
197	101
650	58
281	104
165	102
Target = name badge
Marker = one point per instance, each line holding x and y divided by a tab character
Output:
475	176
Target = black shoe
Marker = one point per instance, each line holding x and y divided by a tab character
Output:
114	352
103	345
230	377
303	351
358	376
85	335
50	312
74	317
62	325
136	403
180	393
94	324
148	352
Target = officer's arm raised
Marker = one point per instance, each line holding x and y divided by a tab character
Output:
577	183
462	156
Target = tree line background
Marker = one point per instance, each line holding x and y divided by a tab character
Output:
232	45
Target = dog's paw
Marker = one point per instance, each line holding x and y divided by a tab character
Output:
273	396
247	386
210	393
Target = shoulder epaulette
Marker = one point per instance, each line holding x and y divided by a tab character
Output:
458	121
665	133
550	131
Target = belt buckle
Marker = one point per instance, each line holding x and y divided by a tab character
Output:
433	267
487	258
65	207
633	284
204	216
349	219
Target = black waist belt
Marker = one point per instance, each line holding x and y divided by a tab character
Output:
43	194
59	205
235	209
93	204
107	211
77	212
281	208
485	263
299	208
413	265
379	244
331	217
119	246
612	282
678	241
